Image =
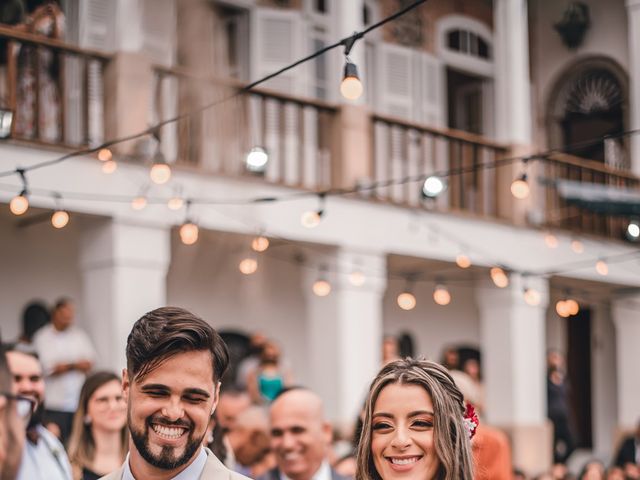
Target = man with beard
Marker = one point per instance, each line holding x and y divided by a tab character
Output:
44	456
175	361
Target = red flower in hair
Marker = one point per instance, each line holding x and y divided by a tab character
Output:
471	421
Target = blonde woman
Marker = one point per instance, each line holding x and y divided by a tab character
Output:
416	426
99	438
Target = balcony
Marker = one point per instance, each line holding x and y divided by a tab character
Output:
55	90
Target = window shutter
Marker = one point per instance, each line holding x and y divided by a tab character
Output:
395	80
429	92
159	30
276	43
97	24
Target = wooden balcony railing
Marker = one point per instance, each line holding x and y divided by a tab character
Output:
558	213
405	149
54	89
295	132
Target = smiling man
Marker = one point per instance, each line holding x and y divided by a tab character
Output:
300	437
175	361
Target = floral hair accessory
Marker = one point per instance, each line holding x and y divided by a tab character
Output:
471	421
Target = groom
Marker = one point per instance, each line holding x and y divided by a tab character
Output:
175	361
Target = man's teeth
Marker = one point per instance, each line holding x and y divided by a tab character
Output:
168	432
404	461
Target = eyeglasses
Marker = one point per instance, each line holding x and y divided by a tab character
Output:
24	405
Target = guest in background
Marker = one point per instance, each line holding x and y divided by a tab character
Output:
66	354
390	349
628	454
99	438
558	407
34	317
270	377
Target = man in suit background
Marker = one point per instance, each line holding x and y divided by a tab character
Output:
628	455
175	361
300	437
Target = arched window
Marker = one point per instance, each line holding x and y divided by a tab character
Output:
469	43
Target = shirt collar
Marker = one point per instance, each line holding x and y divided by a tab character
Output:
192	472
323	473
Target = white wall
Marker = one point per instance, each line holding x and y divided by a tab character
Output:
433	326
37	262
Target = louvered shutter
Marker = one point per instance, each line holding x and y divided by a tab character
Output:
276	43
97	24
429	93
159	30
394	80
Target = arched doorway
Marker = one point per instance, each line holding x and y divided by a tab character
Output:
590	101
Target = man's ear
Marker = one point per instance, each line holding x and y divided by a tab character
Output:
327	430
216	397
125	384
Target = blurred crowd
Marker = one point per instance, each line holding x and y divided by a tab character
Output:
266	423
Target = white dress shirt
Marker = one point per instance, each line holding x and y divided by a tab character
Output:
323	473
45	460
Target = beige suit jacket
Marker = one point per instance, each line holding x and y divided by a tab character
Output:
213	469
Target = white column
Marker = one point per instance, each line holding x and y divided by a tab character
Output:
627	323
345	331
130	30
633	15
511	53
513	354
124	270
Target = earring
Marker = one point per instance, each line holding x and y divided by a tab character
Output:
87	420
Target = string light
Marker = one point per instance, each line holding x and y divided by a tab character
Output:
406	301
357	278
463	261
577	246
20	203
572	306
109	167
551	240
175	203
257	160
351	86
248	266
520	187
532	297
160	172
60	218
312	218
602	268
139	202
105	155
321	288
441	295
562	309
260	244
189	233
433	186
633	230
499	277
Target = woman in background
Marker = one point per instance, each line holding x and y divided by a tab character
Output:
99	438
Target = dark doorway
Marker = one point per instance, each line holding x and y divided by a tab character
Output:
464	102
579	374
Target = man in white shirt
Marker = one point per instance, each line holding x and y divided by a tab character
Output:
43	456
175	361
66	355
300	437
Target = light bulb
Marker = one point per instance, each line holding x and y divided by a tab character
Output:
433	186
189	233
602	268
259	244
19	204
562	308
321	288
532	297
572	306
357	278
499	277
441	295
463	261
175	203
104	155
633	231
59	219
577	246
139	202
520	187
406	301
109	167
248	266
351	86
257	159
551	240
310	219
160	173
